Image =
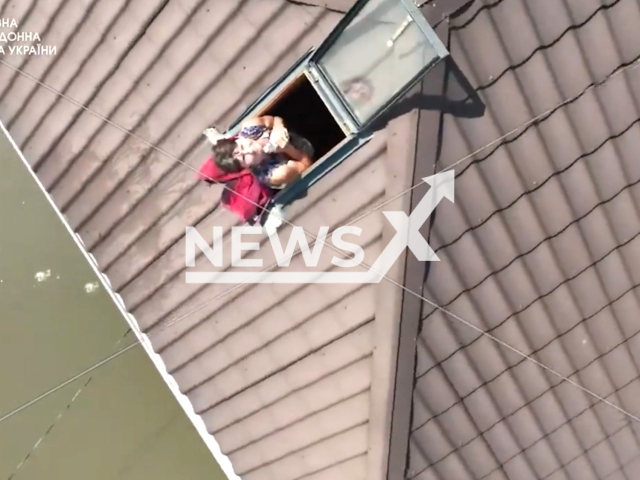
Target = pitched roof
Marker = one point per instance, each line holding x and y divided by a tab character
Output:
539	251
330	381
279	374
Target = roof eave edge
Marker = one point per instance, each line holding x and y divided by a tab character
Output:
223	461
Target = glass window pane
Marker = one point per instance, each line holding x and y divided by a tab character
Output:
375	57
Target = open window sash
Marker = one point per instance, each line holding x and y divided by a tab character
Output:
377	52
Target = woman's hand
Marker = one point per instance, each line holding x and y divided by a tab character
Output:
279	136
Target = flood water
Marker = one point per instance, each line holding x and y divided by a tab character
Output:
124	423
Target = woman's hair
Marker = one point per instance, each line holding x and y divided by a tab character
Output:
223	156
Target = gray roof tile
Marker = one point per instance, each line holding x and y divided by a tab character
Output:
539	249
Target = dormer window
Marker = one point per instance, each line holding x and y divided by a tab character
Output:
332	95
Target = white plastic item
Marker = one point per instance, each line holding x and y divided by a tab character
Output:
213	135
274	220
270	148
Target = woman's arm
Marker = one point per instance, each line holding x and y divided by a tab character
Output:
266	121
295	155
279	134
287	173
293	169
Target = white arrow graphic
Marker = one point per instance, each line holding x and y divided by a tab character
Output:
408	235
408	227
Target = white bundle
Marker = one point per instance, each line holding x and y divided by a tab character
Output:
213	135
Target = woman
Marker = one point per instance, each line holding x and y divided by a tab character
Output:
265	130
263	146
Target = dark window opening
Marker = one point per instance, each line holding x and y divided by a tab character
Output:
304	112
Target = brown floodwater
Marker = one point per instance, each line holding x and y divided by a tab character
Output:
56	320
